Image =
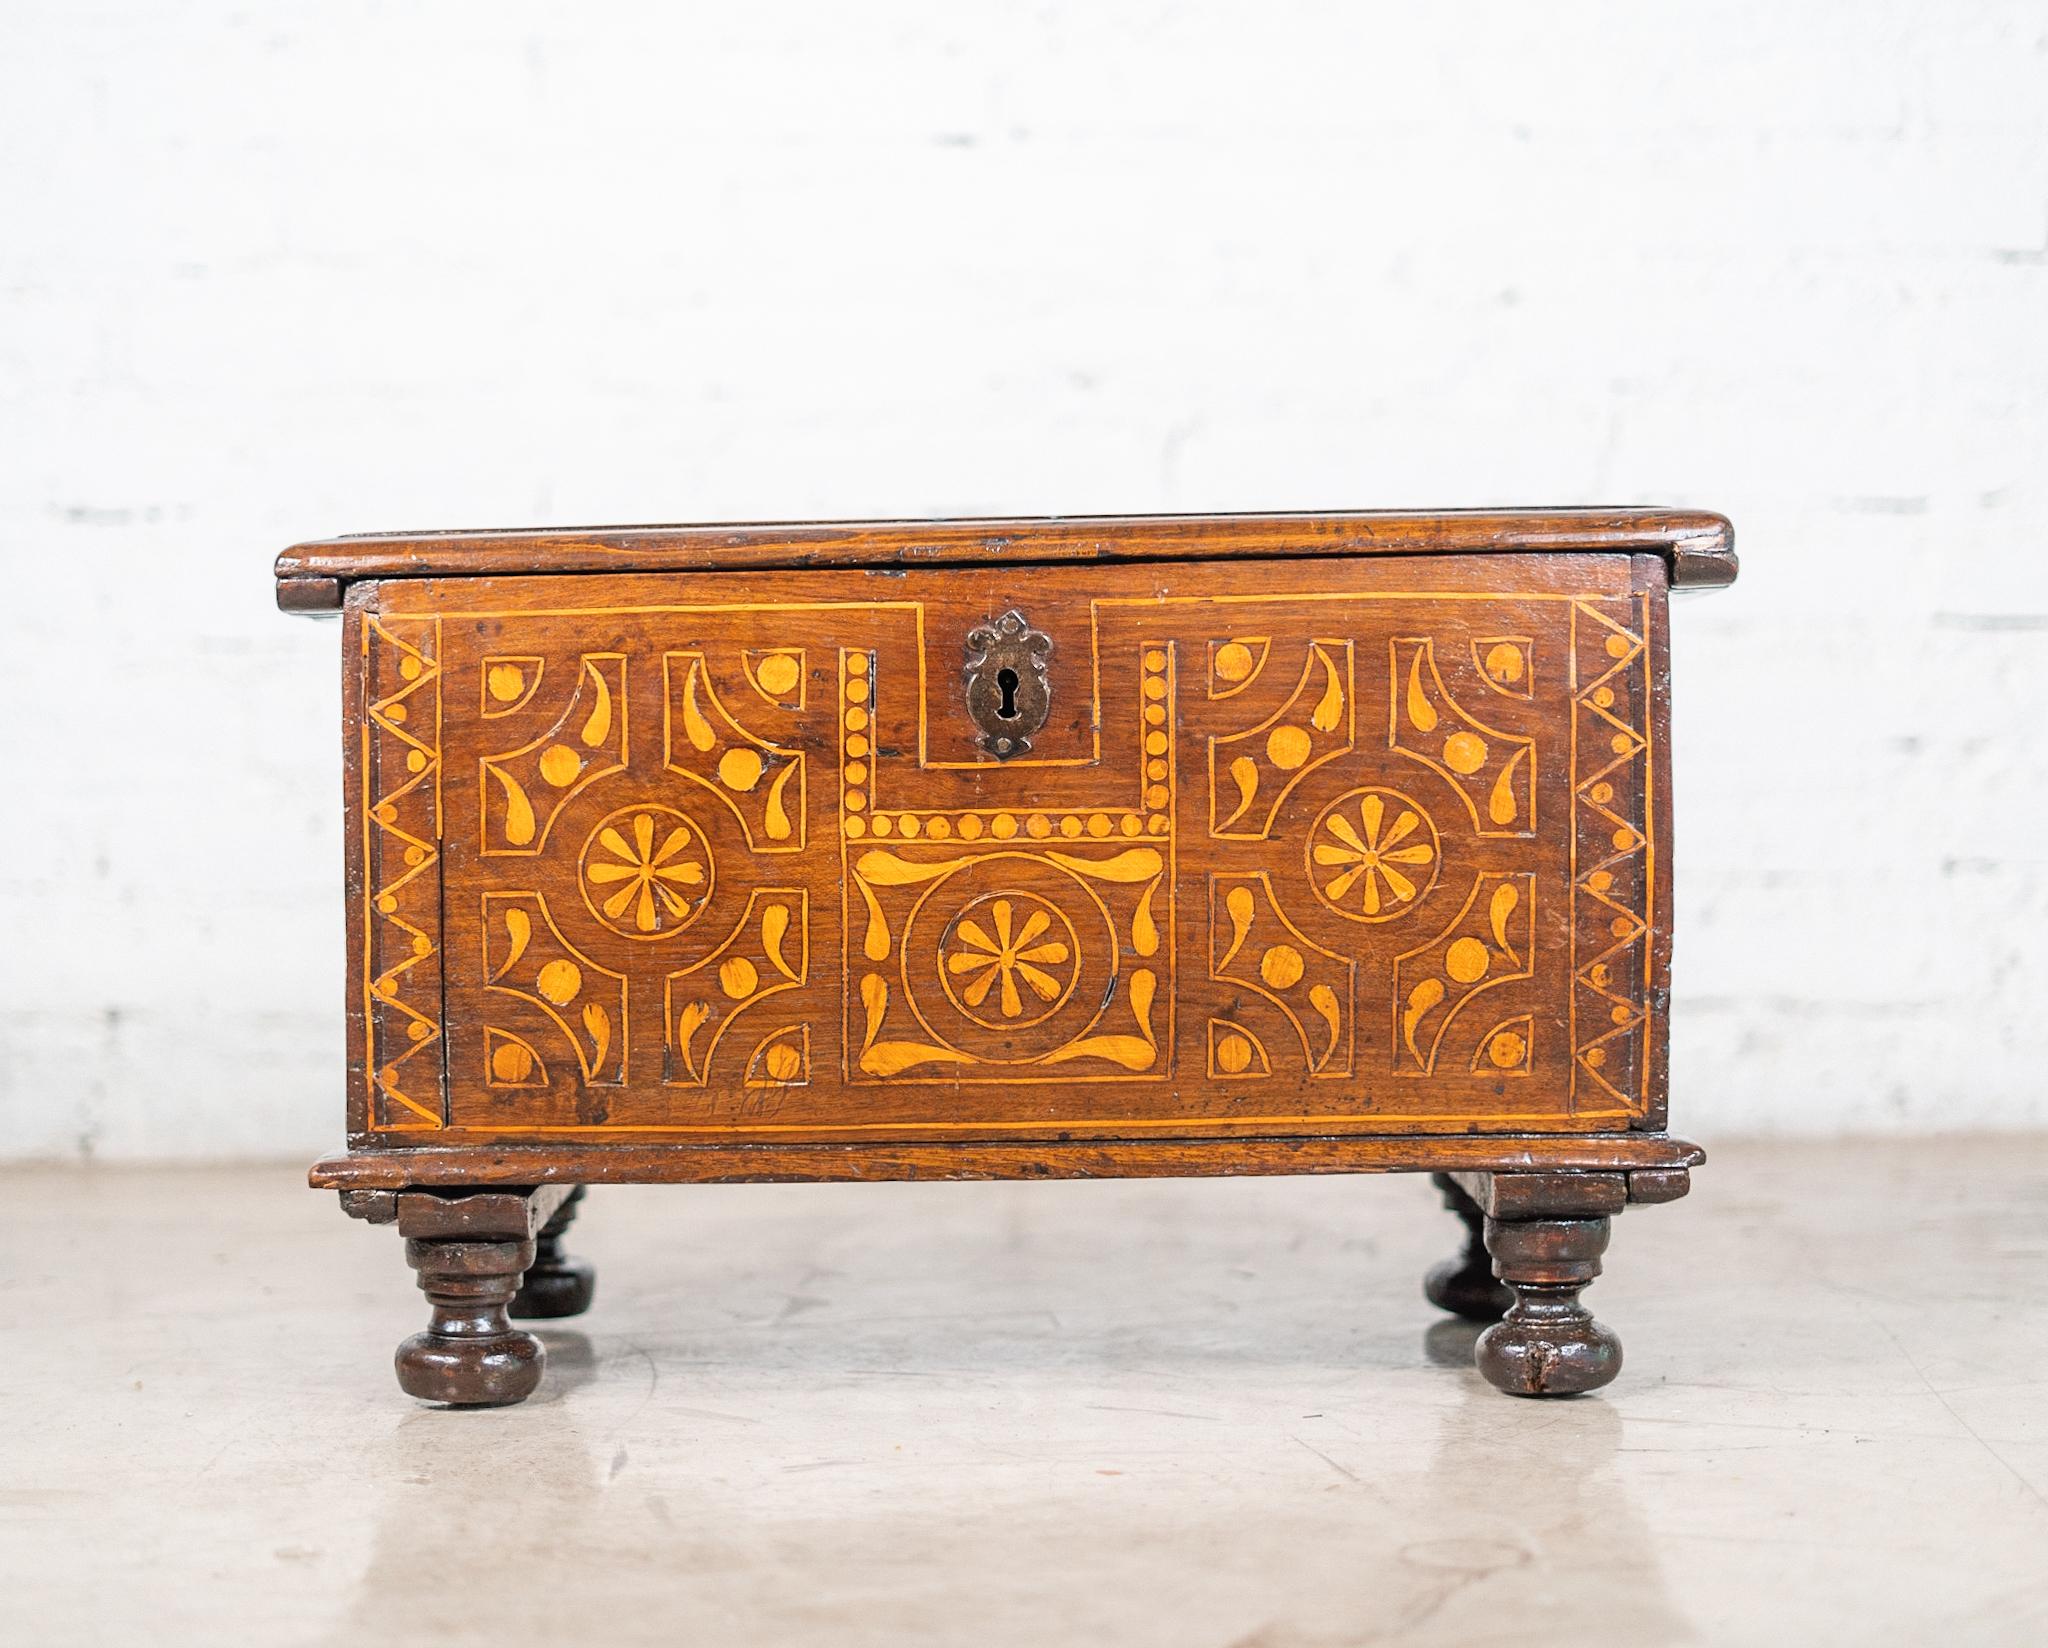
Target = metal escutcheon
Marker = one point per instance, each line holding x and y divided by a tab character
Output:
1009	693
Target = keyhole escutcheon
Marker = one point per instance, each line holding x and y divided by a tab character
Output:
1009	692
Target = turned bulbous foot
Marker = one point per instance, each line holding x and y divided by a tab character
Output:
471	1355
490	1373
556	1284
1466	1286
1548	1343
1468	1290
1526	1354
563	1289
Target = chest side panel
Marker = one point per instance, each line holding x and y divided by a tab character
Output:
1353	847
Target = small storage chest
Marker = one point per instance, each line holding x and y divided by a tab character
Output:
1006	849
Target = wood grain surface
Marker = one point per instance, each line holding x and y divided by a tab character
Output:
1697	546
1641	1156
1305	848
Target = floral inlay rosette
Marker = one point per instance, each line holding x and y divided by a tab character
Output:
646	871
1023	954
1378	867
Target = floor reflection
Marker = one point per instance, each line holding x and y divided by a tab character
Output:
1178	1452
1537	1484
475	1504
1449	1341
572	1363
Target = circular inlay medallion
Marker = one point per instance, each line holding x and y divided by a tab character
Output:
1373	854
1008	960
646	871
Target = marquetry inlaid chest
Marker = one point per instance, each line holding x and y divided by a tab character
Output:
1040	848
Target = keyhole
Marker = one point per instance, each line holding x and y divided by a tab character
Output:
1007	680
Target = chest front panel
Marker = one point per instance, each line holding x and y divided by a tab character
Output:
1299	848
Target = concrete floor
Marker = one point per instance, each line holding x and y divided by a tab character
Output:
1166	1413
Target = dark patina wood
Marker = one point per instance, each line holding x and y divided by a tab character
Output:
470	1252
1465	1284
1548	1343
556	1285
1020	1159
1009	849
1697	545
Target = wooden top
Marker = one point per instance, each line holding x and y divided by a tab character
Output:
1697	545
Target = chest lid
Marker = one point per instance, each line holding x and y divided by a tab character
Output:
1696	545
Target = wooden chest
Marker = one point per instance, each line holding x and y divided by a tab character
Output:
1044	848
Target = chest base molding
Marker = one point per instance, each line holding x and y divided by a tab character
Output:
386	1169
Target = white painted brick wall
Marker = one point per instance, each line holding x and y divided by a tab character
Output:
268	272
